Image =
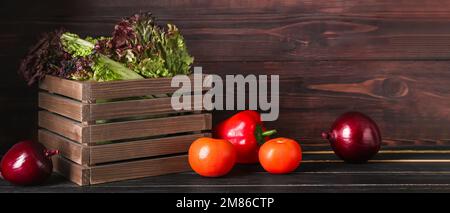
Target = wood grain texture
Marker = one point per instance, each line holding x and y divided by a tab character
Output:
63	106
72	89
145	127
386	144
72	171
274	30
82	175
166	9
90	149
148	127
91	155
76	152
309	177
142	148
285	31
121	109
137	169
63	126
133	88
84	112
408	99
383	157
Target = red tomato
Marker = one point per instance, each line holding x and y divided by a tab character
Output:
212	157
280	155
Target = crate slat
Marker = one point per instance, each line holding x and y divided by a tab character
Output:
69	88
91	155
90	112
138	169
133	88
83	175
120	109
63	106
142	148
74	172
63	126
123	130
74	151
149	127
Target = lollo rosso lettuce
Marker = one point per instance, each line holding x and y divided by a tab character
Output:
104	69
148	49
138	48
172	48
45	57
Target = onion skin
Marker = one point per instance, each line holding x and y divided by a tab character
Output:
27	163
354	137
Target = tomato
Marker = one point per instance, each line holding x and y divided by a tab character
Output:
212	157
280	155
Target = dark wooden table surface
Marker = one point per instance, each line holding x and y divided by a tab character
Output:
390	171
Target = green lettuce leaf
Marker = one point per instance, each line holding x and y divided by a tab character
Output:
76	46
106	69
173	49
153	68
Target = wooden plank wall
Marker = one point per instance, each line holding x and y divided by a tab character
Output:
386	58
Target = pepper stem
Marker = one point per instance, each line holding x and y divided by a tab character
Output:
49	153
260	135
269	132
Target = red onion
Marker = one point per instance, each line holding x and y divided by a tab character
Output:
354	137
27	163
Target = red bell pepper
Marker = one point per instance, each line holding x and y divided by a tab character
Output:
246	132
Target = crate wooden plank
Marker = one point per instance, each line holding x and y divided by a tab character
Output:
89	155
69	88
76	152
63	106
131	108
142	148
63	126
82	175
149	127
133	88
74	172
138	169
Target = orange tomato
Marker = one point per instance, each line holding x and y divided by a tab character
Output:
212	157
280	155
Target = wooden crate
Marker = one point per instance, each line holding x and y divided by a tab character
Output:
105	133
